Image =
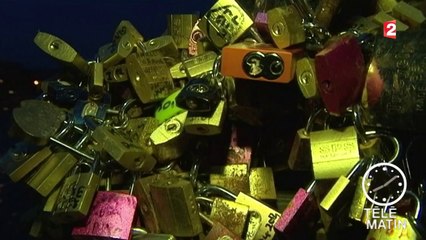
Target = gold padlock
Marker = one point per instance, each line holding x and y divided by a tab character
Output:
231	214
164	46
306	77
194	66
125	27
262	184
122	50
52	172
225	22
96	82
117	73
180	28
150	77
200	125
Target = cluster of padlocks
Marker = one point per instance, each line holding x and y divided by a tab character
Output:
149	140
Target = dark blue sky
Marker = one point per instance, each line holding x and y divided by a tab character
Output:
85	24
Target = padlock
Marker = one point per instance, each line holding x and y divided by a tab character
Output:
96	81
125	152
201	125
77	194
194	40
382	17
51	201
356	210
36	121
117	73
168	108
285	26
408	14
17	166
110	216
175	206
231	214
145	204
325	11
300	157
218	230
307	78
200	95
120	51
51	173
141	234
164	46
97	110
234	177
150	77
268	216
125	27
194	66
180	28
262	184
59	49
334	152
301	209
257	61
225	22
397	227
342	188
169	139
62	92
340	84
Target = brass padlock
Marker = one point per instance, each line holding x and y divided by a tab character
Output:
194	66
218	230
125	27
117	73
51	201
77	193
125	152
200	125
52	172
231	214
256	61
234	177
168	108
262	184
268	216
120	52
59	49
174	203
307	78
285	26
150	77
225	22
96	82
164	46
180	28
334	152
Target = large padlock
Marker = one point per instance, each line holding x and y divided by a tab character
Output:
111	216
150	77
51	173
257	61
334	152
175	205
262	184
225	22
285	26
77	193
340	83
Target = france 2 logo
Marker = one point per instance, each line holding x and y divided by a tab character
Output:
389	29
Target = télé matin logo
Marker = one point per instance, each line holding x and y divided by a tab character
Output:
389	29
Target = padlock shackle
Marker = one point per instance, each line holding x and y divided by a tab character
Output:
311	120
395	142
210	189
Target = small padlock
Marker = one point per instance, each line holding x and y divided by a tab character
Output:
301	209
194	66
225	22
110	216
120	51
62	92
125	152
231	214
175	205
96	81
77	194
268	216
59	49
340	83
51	201
262	184
234	177
307	78
201	125
168	108
125	27
180	28
257	61
342	187
285	26
51	173
334	152
150	77
164	46
200	95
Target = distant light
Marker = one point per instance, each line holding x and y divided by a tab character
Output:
11	92
5	109
1	81
36	82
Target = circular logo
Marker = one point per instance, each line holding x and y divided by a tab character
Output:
384	184
253	64
269	66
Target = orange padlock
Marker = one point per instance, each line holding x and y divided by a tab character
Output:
258	61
